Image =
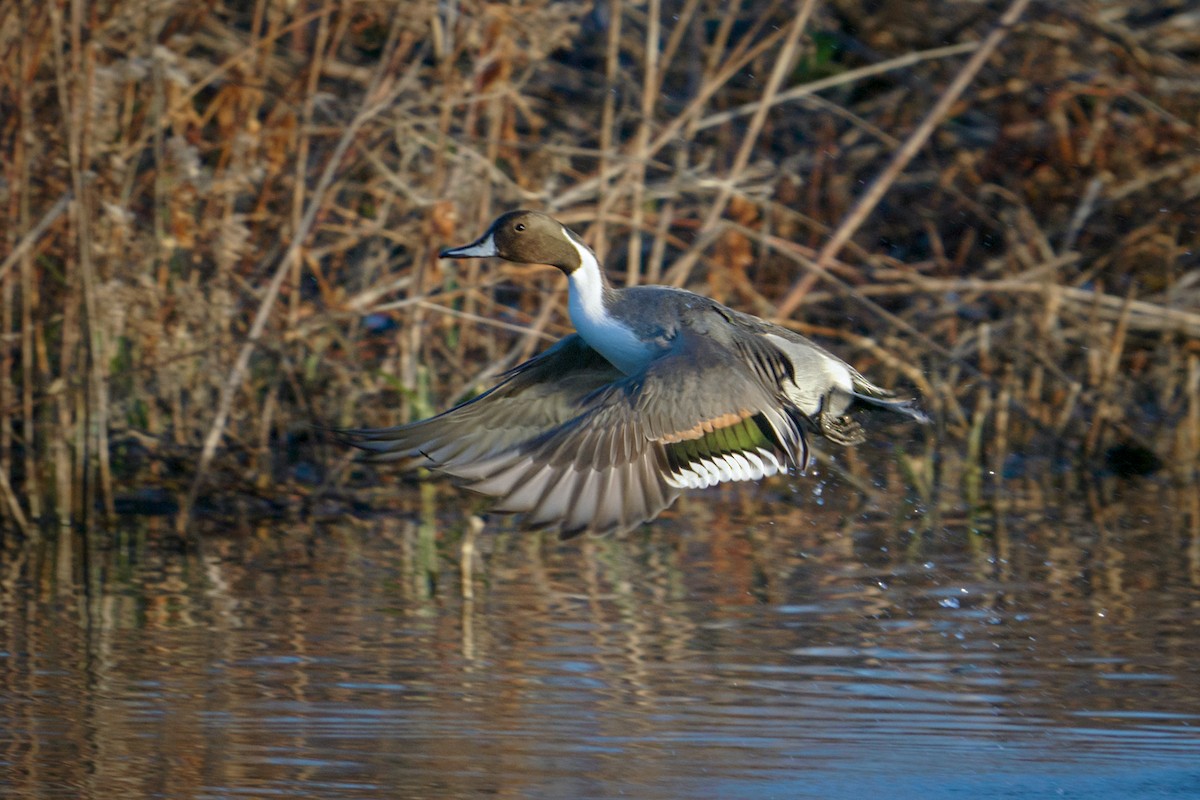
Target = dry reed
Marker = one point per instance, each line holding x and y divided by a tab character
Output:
221	222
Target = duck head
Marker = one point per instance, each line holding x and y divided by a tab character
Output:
526	237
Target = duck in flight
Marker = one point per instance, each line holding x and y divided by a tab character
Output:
658	390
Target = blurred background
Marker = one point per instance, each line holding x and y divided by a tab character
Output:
1033	274
220	223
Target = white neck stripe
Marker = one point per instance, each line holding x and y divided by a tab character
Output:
612	338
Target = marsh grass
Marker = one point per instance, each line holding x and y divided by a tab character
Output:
221	222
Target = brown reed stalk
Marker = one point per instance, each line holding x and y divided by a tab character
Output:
1002	443
841	79
915	141
14	506
303	144
381	93
70	329
794	253
22	253
783	65
97	391
746	53
608	111
651	76
1191	429
221	71
683	22
993	267
28	238
8	315
973	475
497	109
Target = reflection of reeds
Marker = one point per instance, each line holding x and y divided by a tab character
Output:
288	634
222	228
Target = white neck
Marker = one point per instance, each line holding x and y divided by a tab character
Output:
609	336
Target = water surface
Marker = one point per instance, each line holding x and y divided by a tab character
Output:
770	642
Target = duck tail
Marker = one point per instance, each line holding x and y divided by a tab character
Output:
878	397
905	405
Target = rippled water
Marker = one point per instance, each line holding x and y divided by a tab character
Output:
1047	648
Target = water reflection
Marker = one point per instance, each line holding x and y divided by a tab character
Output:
825	650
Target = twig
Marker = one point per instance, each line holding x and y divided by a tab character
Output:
637	178
841	79
783	65
1143	315
31	236
905	154
14	506
589	187
608	112
488	321
381	102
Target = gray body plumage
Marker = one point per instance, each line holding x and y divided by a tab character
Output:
660	390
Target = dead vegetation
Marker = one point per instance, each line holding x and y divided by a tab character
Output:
221	220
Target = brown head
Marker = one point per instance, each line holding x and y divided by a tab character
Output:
527	237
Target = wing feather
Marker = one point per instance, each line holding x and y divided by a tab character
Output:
539	394
615	463
576	446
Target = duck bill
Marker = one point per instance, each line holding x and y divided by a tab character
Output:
482	248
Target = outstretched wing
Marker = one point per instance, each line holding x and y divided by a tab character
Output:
696	416
533	397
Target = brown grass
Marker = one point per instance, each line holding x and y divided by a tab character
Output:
221	221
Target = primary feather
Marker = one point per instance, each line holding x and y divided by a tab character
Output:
661	390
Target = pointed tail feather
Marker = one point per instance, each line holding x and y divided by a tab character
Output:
900	405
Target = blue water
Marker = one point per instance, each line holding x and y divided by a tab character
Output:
815	653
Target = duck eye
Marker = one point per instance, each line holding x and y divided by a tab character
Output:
520	226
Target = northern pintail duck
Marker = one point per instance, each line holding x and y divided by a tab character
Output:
659	390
